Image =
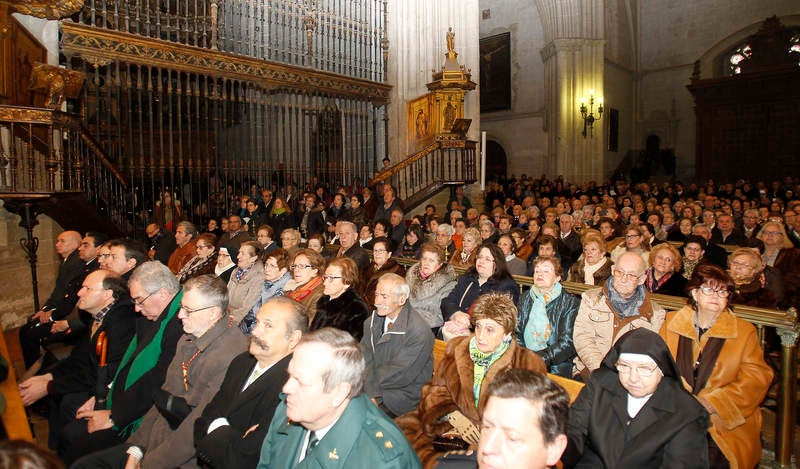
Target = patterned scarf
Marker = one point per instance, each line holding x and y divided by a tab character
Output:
537	330
240	272
625	307
651	282
481	363
688	267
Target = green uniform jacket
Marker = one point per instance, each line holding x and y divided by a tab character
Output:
362	437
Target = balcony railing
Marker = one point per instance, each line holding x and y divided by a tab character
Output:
346	37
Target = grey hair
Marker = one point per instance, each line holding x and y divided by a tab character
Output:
346	365
189	228
401	288
446	227
211	288
153	276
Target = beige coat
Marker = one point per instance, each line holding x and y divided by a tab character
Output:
737	384
596	323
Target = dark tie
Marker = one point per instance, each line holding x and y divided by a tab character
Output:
313	441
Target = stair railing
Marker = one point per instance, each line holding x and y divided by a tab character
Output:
45	152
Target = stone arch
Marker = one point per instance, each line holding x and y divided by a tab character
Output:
709	61
496	160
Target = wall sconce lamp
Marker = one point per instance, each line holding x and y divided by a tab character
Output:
588	114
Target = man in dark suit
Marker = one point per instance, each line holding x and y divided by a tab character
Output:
232	427
726	232
156	294
569	242
348	235
70	382
162	243
61	301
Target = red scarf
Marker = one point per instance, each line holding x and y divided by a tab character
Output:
300	293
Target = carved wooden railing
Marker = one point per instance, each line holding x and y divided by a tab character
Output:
338	36
439	164
47	152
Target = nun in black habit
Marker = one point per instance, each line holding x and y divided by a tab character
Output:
634	412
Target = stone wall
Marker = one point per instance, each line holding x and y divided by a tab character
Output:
15	275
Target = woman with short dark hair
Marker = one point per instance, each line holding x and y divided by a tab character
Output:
720	358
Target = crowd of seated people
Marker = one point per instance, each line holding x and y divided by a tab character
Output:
243	281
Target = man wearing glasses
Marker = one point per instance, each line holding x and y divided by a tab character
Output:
165	436
606	313
156	297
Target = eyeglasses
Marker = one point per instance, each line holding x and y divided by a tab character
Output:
270	266
631	236
139	302
773	233
708	291
328	278
301	266
189	312
642	370
200	246
379	251
626	276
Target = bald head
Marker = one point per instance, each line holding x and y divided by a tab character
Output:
67	242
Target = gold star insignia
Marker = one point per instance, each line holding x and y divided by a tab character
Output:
379	434
333	455
388	444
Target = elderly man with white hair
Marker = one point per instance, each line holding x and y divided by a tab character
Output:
398	348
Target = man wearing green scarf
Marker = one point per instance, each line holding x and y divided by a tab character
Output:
156	295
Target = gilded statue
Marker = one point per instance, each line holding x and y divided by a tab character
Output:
57	83
51	10
451	43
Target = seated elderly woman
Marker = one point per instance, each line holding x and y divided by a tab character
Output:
458	390
635	241
747	272
465	257
244	285
694	251
514	264
490	274
547	317
204	262
430	280
634	412
444	238
664	272
276	275
341	306
721	361
382	263
593	266
290	241
305	286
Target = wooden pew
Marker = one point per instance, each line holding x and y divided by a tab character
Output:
572	387
15	420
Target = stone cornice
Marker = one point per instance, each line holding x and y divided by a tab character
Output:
105	44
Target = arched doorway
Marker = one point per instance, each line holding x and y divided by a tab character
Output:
496	161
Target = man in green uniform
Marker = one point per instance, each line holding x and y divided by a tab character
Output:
325	420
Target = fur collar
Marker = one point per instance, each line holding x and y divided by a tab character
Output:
682	323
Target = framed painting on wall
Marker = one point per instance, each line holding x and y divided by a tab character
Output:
495	73
421	127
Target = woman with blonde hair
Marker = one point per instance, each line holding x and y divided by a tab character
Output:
746	268
664	271
593	266
465	257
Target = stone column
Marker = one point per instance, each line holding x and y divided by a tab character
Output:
573	57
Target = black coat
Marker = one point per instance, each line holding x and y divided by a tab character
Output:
347	312
467	290
64	296
669	431
163	245
561	313
674	286
78	372
360	256
226	447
